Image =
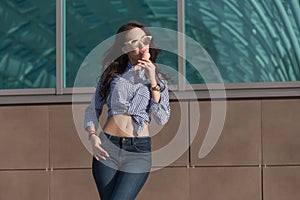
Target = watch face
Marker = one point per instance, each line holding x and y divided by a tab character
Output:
157	87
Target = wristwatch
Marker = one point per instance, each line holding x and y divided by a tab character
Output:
156	88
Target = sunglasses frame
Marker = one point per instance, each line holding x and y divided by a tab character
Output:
138	40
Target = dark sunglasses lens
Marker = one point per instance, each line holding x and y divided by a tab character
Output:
146	40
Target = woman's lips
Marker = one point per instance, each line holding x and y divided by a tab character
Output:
142	51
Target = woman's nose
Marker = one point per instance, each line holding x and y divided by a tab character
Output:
141	45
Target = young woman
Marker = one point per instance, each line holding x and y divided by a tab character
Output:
134	91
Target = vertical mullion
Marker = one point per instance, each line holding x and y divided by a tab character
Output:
59	46
181	45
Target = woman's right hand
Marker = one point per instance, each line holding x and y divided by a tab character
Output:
98	151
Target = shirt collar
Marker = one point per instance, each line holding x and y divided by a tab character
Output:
130	65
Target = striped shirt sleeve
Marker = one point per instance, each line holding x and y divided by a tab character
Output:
161	110
94	110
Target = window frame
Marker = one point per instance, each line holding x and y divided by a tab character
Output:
61	94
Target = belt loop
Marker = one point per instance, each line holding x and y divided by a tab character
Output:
133	141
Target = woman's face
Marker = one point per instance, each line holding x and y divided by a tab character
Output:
136	44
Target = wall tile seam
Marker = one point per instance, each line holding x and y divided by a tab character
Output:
155	167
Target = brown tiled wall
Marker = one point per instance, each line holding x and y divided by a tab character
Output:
256	157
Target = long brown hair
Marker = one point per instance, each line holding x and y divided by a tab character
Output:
115	61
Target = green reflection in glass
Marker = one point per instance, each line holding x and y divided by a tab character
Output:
90	22
27	44
250	41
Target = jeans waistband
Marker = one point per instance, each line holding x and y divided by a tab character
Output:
131	140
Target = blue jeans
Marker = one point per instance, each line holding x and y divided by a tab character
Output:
122	175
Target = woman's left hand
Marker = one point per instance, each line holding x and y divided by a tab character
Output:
150	67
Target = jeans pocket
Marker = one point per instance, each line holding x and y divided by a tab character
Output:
144	147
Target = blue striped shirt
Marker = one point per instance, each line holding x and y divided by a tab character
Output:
130	94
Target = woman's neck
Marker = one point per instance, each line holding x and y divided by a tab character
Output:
134	62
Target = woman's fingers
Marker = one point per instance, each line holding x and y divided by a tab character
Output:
100	152
99	157
146	64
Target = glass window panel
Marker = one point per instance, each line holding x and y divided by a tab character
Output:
91	22
27	44
250	41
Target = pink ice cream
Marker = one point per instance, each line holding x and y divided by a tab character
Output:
146	56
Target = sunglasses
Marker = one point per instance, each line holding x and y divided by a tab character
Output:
146	40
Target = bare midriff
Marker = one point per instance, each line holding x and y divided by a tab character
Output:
122	125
